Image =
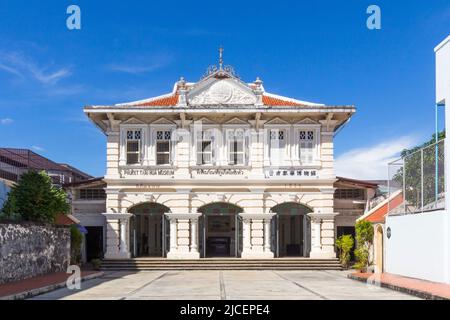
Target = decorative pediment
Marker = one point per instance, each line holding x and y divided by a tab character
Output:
307	121
276	121
237	121
205	121
226	91
163	121
133	120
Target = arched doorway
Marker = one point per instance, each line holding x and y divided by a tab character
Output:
379	249
220	230
149	230
291	230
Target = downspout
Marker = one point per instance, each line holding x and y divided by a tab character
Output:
436	185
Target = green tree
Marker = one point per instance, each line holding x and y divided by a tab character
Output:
364	239
413	172
76	239
34	198
345	245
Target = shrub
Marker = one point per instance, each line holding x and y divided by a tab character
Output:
364	232
345	245
76	239
362	258
34	198
96	263
364	239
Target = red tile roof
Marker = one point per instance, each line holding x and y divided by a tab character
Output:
64	220
272	101
379	214
166	101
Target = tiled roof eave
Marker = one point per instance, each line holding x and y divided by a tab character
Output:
206	107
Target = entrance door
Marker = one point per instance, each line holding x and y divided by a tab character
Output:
347	230
149	230
220	231
94	243
238	236
290	230
379	250
220	236
165	236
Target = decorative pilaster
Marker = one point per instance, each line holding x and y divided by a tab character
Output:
112	153
246	235
123	236
256	236
322	227
194	235
183	236
117	236
173	234
316	244
267	235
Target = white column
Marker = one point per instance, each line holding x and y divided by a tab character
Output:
246	234
116	236
194	235
183	236
322	234
316	246
267	235
123	236
173	234
256	229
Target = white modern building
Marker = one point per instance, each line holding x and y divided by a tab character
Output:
417	237
220	167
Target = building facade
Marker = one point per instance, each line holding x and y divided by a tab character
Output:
352	199
220	167
14	162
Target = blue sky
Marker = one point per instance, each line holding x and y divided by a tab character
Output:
318	51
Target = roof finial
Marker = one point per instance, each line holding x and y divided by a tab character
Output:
220	57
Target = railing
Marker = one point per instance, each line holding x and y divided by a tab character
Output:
420	177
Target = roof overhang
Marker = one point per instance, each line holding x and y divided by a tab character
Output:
93	112
221	109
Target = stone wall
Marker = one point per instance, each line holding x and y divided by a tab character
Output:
29	250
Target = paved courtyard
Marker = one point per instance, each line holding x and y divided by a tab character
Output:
226	285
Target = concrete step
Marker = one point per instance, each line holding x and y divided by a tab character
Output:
141	264
220	268
206	261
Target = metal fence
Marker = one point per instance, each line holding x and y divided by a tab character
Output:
420	177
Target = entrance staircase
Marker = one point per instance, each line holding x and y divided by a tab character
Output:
148	264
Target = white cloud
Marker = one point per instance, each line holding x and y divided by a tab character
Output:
6	121
10	70
142	64
22	66
37	148
371	163
50	77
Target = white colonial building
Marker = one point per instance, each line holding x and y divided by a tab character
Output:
220	167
